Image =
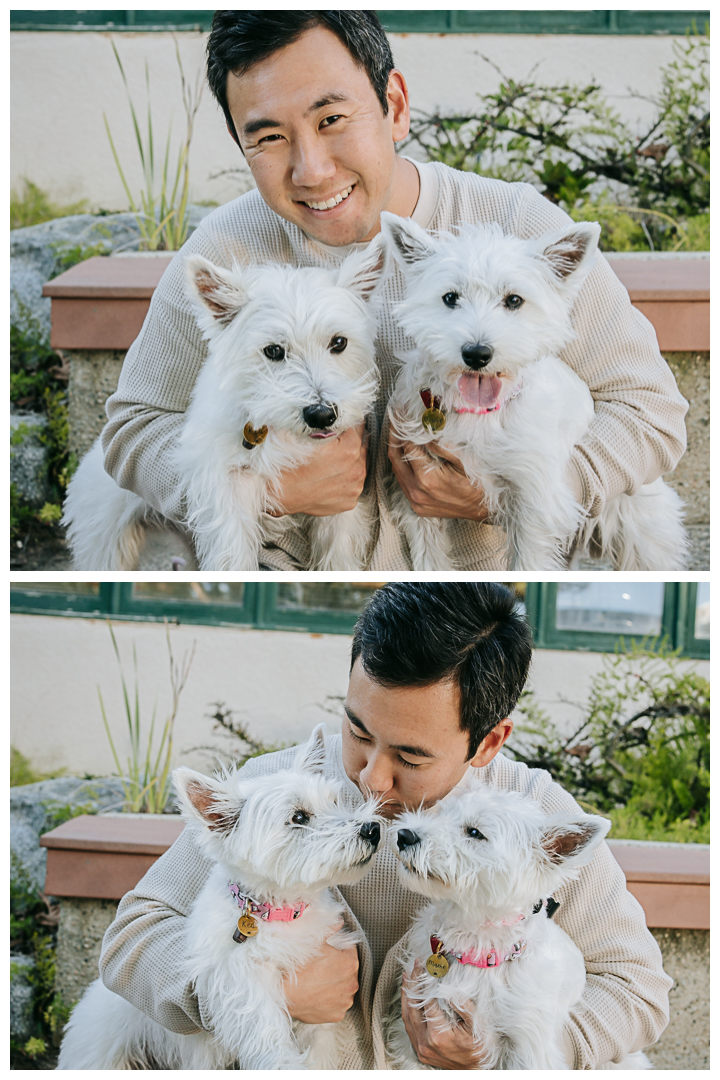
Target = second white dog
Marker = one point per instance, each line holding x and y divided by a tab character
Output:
279	842
291	361
490	314
490	861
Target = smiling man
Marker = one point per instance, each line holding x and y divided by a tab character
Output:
316	106
436	670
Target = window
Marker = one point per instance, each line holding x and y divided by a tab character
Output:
495	21
593	616
586	615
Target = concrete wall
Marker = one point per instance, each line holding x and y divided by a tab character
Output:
63	82
276	681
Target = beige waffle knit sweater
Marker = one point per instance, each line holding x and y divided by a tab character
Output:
624	1007
637	435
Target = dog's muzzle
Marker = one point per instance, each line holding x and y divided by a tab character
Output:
477	356
320	416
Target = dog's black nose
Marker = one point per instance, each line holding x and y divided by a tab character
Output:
371	831
320	416
476	356
406	838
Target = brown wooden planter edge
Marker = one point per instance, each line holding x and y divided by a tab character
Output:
104	856
101	303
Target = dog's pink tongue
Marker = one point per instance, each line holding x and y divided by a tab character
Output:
482	391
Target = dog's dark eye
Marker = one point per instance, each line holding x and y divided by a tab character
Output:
513	302
338	344
274	352
474	833
300	818
450	299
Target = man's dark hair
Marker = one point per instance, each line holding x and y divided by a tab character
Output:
239	39
420	633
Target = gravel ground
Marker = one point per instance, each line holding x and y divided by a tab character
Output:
48	552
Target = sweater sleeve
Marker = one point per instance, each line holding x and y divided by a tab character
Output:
142	951
638	432
146	413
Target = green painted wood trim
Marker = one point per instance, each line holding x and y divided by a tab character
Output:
406	22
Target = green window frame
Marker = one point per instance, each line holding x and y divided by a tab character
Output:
261	610
406	22
678	622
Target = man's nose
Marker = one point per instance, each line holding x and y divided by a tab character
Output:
310	162
377	775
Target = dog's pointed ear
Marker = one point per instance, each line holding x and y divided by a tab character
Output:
218	290
573	840
570	250
206	800
409	243
363	271
311	756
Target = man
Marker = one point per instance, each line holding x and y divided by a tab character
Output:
316	107
436	670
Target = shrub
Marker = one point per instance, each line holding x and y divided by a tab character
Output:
641	754
32	206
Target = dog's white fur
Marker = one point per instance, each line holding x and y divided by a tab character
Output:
246	826
478	887
519	454
241	312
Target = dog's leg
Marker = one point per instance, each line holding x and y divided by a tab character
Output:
105	524
643	531
427	538
225	519
341	542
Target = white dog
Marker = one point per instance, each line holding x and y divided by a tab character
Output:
490	861
489	314
280	842
291	361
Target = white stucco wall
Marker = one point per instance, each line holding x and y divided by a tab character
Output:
61	83
275	681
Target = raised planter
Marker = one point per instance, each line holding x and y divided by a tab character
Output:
103	857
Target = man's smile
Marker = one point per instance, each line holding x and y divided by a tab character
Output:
328	203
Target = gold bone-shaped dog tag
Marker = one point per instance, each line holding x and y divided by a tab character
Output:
437	965
247	926
254	436
433	419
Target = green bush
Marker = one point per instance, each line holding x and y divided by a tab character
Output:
22	772
568	140
32	206
641	754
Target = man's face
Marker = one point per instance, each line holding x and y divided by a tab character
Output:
405	743
312	131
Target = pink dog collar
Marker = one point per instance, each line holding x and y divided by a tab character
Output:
489	959
265	911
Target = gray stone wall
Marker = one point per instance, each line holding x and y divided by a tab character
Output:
80	934
94	377
691	479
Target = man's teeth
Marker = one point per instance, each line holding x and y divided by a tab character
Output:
329	203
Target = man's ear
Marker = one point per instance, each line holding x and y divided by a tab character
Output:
363	271
311	756
492	744
408	242
206	800
573	839
221	292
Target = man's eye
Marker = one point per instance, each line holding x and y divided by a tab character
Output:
328	120
358	737
274	352
450	299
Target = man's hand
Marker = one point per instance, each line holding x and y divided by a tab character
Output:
323	989
433	1042
332	482
442	491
